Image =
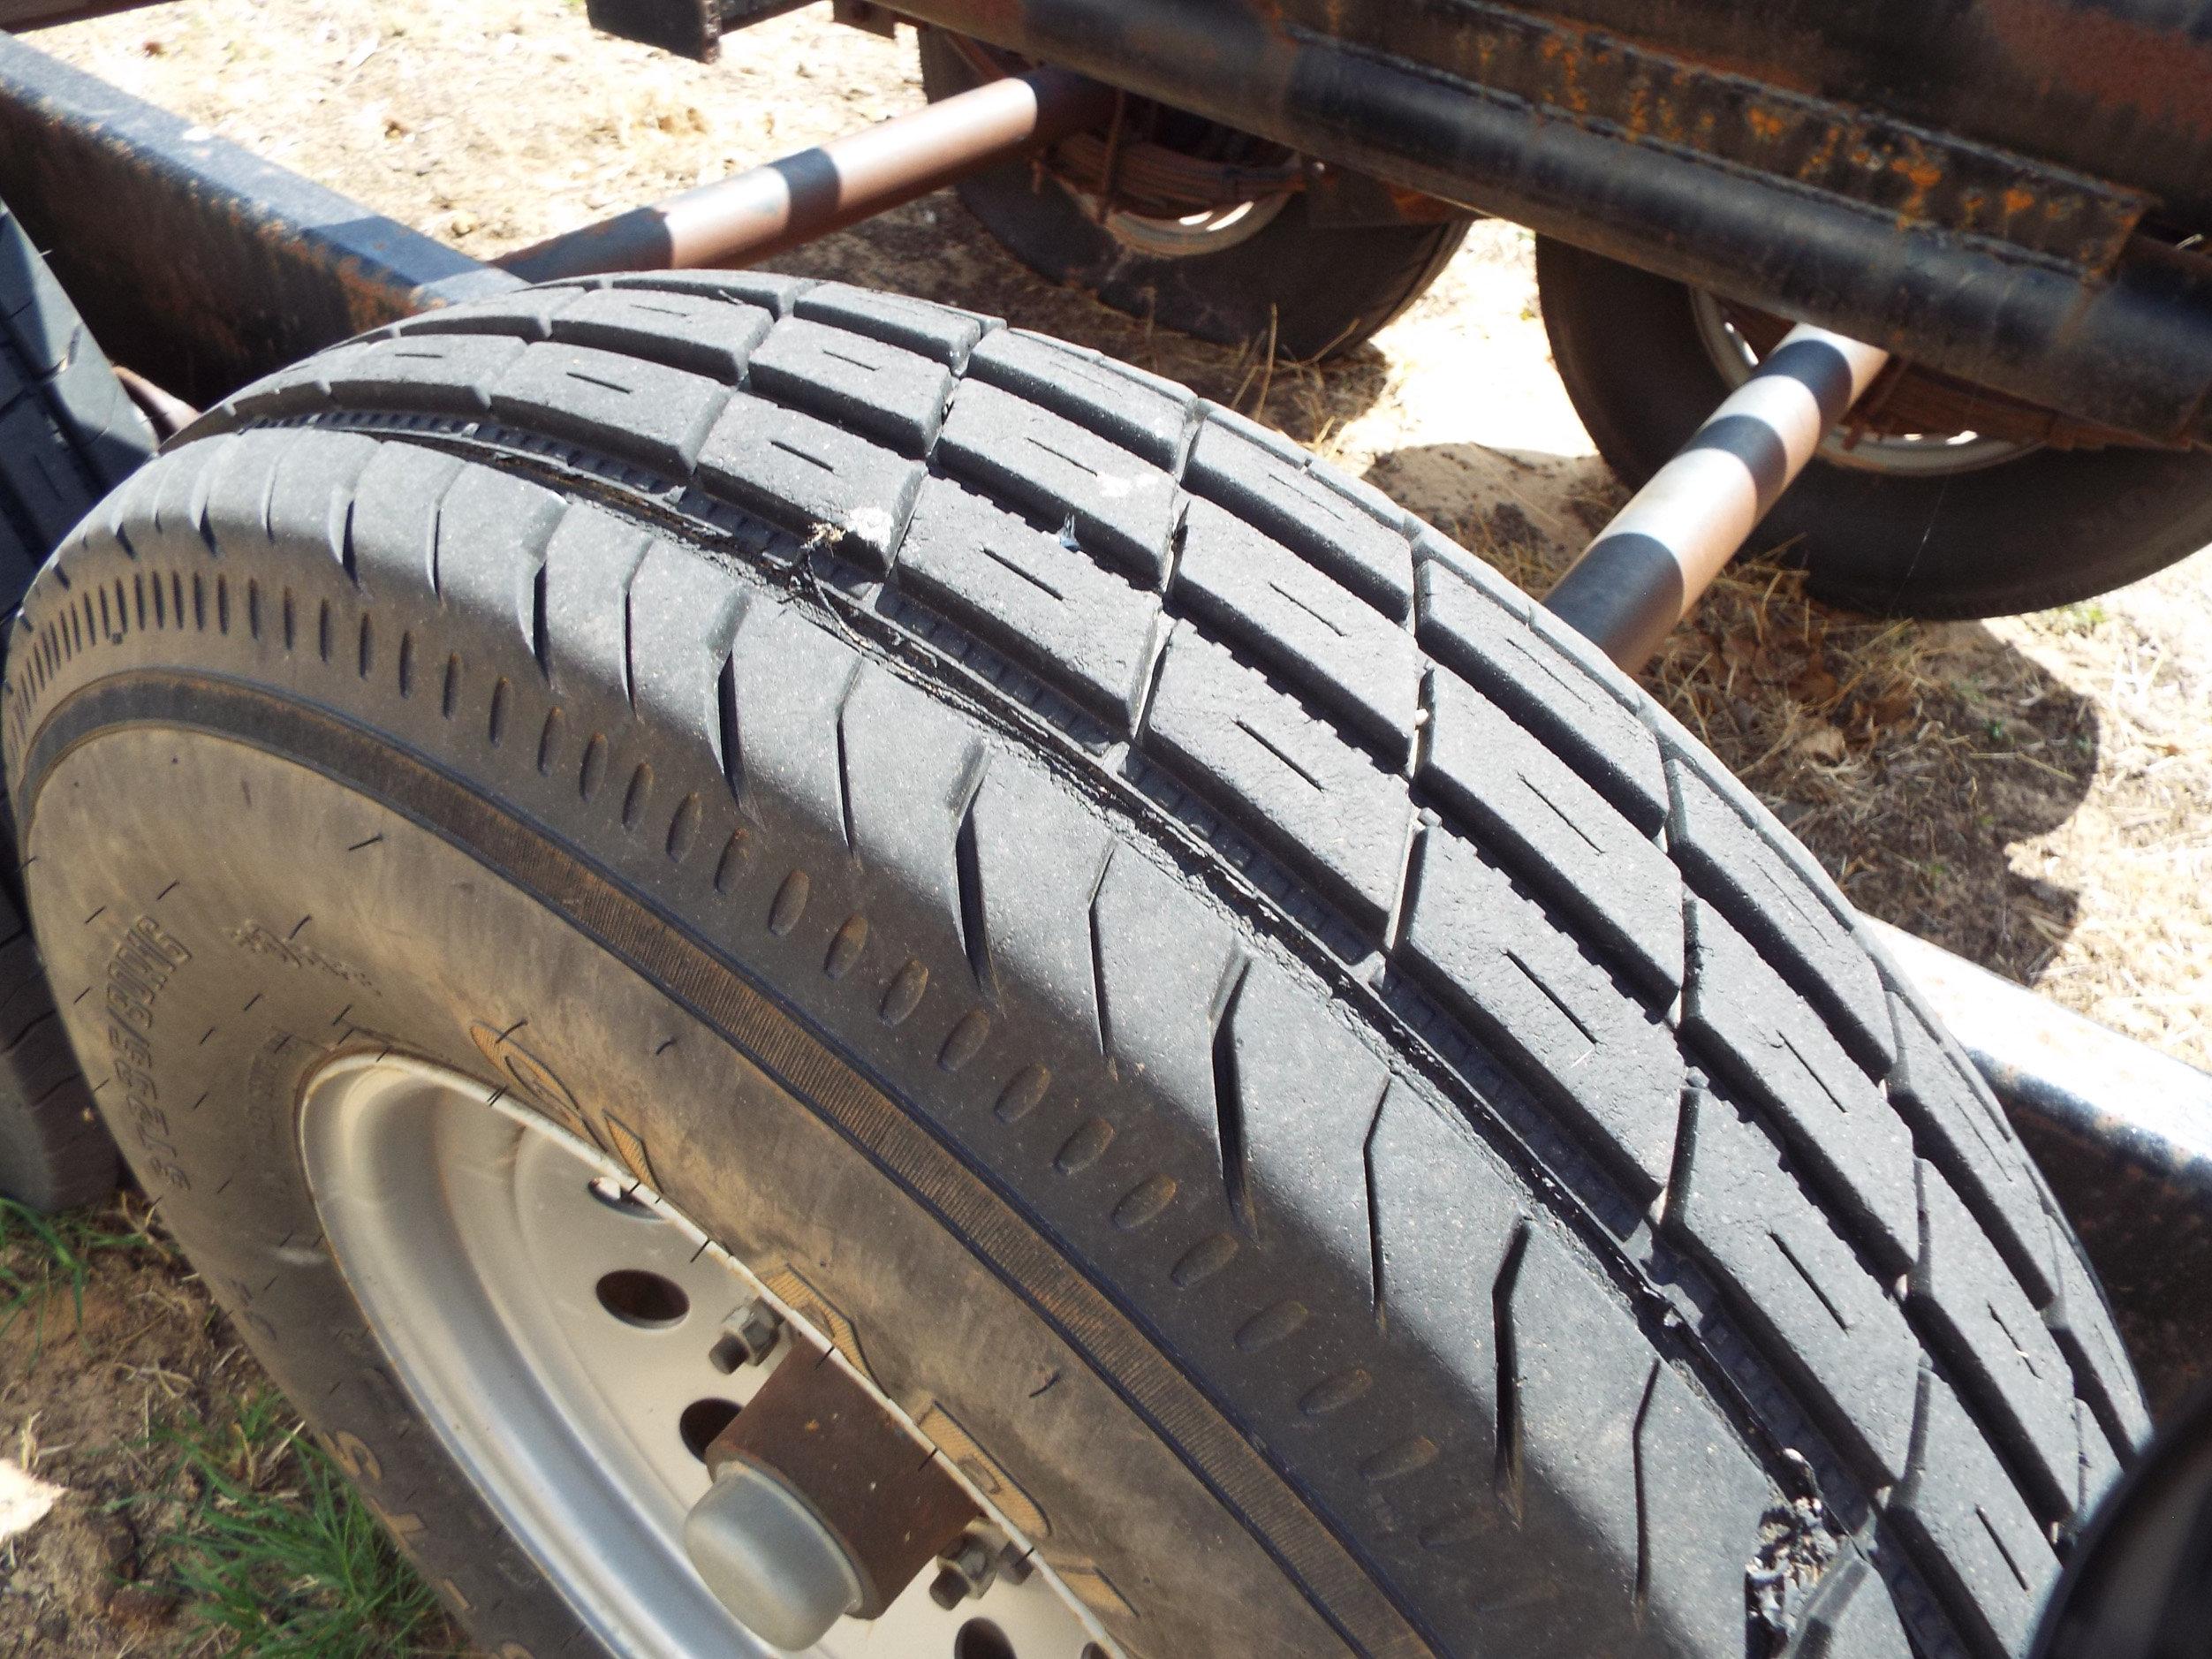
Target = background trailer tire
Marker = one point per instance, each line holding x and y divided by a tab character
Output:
1330	1097
1997	530
68	434
1268	276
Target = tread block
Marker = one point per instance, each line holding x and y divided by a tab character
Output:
1794	926
1997	1348
1037	858
1958	1505
1279	610
527	315
909	763
1159	958
1795	1281
645	412
1555	831
263	486
447	374
224	483
1850	1617
1122	506
894	396
772	291
1307	1095
1446	1215
588	566
88	402
788	681
2078	1319
1781	1053
936	331
690	611
395	521
1703	1501
43	476
702	334
1531	992
1960	1127
313	495
1580	1370
1059	614
811	478
1500	656
1143	416
1321	804
493	531
1320	523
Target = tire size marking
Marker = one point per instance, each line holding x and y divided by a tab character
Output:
139	969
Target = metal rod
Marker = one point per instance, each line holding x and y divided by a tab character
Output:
766	209
1650	564
166	413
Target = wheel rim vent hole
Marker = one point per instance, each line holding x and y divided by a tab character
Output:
647	1300
980	1638
701	1421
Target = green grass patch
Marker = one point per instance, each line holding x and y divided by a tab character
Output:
274	1553
42	1255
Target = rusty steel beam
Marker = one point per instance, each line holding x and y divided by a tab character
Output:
197	263
2007	269
766	209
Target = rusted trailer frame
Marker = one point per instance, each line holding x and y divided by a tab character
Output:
1934	180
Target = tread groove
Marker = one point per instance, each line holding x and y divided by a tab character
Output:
1229	1112
1507	1475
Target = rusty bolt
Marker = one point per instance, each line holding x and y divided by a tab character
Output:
747	1337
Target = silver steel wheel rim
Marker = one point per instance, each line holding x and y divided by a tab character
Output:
1211	231
1915	454
474	1235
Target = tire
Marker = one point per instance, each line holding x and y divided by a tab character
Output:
2048	527
1315	291
1427	1115
68	434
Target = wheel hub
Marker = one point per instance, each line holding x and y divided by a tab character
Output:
579	1345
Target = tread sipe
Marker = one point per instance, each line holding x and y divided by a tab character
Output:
1484	1102
68	434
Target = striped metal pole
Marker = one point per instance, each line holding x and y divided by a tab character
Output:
1648	566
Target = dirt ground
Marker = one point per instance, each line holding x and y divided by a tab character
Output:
2035	793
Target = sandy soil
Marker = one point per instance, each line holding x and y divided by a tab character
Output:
2036	792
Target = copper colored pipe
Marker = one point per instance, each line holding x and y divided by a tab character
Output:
1646	570
766	209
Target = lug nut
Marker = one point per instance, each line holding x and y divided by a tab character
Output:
747	1337
963	1572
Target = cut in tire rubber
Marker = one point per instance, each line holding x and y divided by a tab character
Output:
68	434
1315	291
2048	527
1190	965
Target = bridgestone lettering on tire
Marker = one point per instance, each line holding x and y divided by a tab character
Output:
1428	1102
